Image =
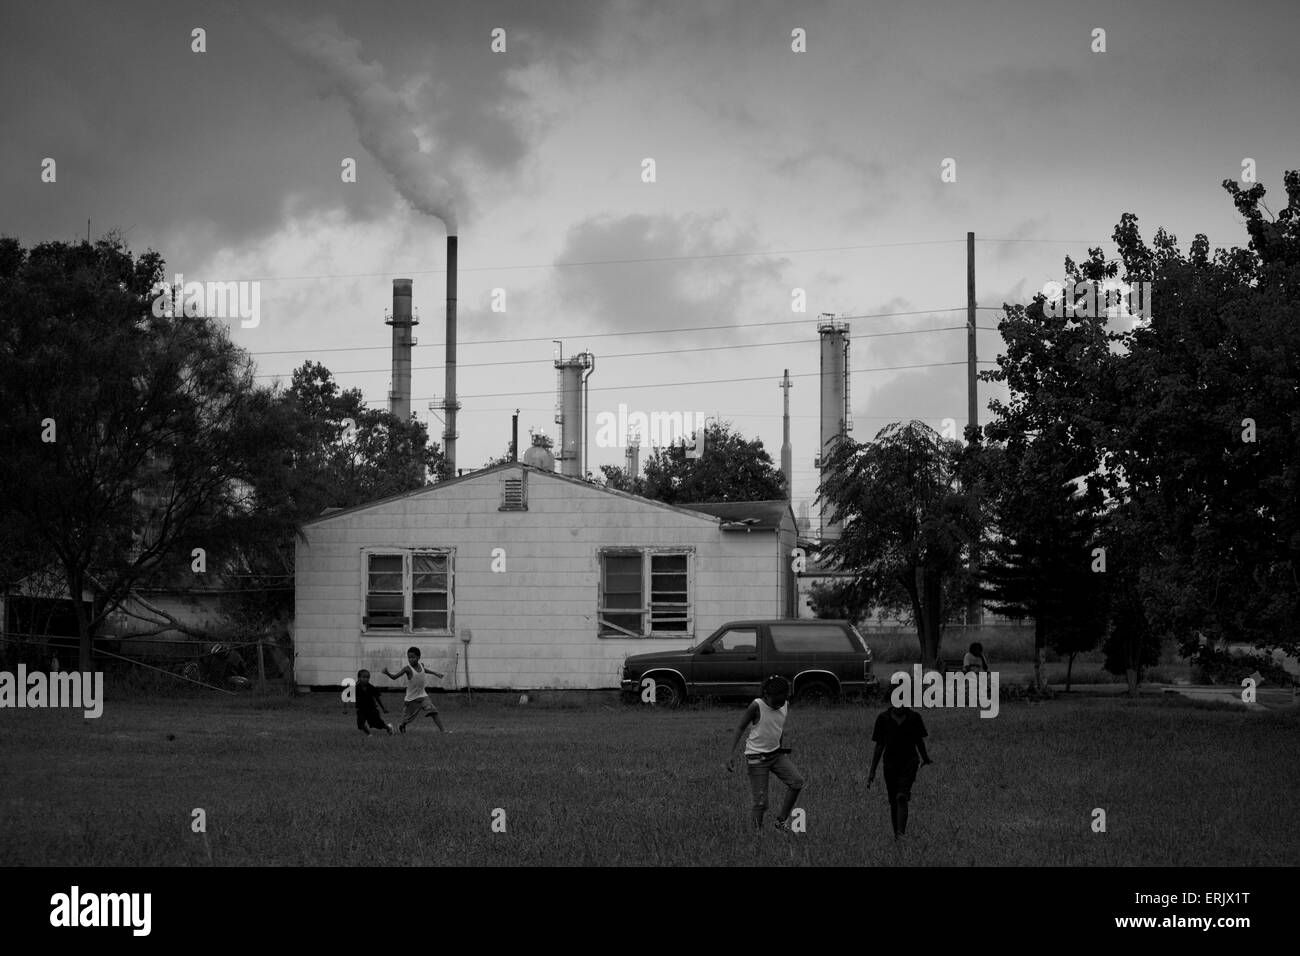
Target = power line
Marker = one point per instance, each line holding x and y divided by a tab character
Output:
602	335
702	348
712	381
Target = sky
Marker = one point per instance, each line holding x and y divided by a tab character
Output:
775	170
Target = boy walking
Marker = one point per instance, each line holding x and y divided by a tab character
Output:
369	705
764	753
899	735
418	701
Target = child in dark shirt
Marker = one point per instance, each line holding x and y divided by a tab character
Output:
369	705
899	735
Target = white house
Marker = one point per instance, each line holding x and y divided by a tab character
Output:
553	581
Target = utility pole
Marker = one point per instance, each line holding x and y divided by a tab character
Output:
787	453
974	611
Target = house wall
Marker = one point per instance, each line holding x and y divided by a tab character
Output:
534	626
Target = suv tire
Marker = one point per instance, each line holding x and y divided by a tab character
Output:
815	691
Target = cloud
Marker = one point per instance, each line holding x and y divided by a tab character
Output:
693	276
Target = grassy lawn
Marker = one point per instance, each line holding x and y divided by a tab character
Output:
292	782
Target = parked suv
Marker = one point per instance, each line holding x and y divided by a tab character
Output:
822	660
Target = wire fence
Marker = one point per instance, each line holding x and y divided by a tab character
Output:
43	649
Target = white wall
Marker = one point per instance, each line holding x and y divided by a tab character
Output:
534	626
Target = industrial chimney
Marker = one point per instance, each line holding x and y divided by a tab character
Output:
633	463
450	404
402	320
571	412
836	420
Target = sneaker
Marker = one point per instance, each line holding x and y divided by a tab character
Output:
390	729
784	826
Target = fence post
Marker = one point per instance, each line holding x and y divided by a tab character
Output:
261	667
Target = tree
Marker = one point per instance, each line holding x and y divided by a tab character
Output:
618	479
731	468
842	600
130	438
906	523
1040	562
354	454
1188	422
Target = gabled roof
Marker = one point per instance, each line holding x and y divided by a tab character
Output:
752	515
692	511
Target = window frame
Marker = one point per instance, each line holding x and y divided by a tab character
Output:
646	611
408	591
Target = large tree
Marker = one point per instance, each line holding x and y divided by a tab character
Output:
129	438
729	468
907	524
1190	421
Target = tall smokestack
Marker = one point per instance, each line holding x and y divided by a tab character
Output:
787	454
835	419
573	373
449	436
401	319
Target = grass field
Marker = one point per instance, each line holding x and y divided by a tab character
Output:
291	782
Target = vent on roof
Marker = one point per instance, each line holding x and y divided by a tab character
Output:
512	494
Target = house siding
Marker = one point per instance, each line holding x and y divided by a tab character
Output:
535	626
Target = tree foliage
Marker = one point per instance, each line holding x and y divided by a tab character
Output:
129	438
1188	424
730	468
906	523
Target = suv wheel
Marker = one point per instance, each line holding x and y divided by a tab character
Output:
814	692
668	692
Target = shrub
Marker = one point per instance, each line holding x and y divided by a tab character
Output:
1212	666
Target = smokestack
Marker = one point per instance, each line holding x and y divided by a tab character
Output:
514	436
835	419
787	455
401	319
571	412
449	435
633	454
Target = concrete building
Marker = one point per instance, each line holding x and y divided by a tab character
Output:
541	580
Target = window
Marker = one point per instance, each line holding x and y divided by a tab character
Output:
408	591
628	576
738	640
810	638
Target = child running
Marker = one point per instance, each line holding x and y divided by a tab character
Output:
899	735
764	754
369	705
418	700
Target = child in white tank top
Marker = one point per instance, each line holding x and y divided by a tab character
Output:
764	754
418	703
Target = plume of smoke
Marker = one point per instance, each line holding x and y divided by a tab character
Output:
385	125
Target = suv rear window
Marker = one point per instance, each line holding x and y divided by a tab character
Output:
805	638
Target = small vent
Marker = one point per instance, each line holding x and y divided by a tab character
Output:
512	495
